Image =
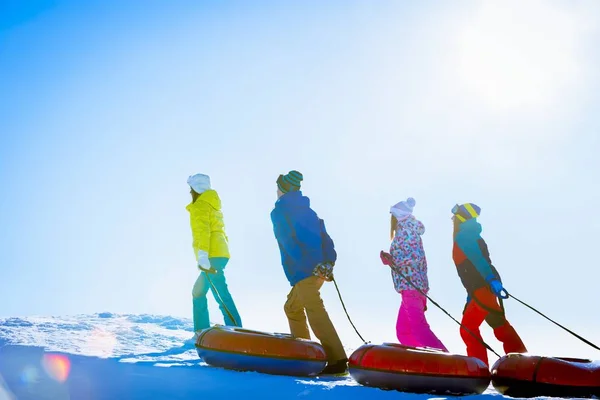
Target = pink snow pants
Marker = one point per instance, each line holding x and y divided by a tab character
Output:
412	328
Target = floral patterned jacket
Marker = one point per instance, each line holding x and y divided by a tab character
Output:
409	255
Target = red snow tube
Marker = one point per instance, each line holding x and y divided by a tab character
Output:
271	353
520	375
418	370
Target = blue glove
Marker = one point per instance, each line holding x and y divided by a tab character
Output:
497	287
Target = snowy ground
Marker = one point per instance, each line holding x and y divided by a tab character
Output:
108	356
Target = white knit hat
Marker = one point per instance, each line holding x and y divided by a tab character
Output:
199	182
403	209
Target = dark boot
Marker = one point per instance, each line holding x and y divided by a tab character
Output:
337	367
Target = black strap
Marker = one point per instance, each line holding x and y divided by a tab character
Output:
344	306
221	300
486	308
556	323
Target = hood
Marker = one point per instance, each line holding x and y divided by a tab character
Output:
294	199
471	225
211	197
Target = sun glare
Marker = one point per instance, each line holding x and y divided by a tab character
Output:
101	343
518	53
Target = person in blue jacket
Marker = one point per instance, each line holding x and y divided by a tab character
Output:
308	256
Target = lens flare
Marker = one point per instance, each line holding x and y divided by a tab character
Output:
29	374
57	366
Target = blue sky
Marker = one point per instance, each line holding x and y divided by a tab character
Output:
106	107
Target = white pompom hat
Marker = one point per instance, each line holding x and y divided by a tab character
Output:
403	209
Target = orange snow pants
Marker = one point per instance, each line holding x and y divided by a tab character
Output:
484	307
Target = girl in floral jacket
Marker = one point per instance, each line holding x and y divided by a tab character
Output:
409	261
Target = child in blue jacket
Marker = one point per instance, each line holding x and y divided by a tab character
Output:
483	284
308	257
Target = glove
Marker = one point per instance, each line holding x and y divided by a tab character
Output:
324	271
386	258
496	287
204	262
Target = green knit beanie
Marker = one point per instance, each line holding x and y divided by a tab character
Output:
290	181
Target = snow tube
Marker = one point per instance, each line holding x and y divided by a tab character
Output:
418	370
270	353
520	375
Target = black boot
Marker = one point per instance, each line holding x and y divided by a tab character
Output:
335	368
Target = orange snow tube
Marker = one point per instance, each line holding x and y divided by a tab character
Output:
520	375
418	370
271	353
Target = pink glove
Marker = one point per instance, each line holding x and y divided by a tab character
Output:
386	258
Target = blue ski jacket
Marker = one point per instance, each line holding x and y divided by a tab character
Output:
301	235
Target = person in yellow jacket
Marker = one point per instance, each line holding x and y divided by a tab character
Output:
212	253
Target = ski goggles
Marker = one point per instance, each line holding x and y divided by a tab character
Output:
464	212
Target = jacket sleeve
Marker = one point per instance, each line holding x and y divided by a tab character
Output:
420	228
470	246
201	226
307	232
329	253
283	233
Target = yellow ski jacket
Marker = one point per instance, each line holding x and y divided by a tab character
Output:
208	228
